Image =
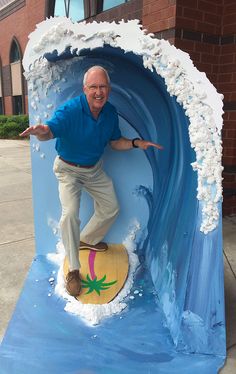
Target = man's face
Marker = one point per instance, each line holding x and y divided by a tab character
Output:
96	90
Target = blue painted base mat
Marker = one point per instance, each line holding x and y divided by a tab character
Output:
42	338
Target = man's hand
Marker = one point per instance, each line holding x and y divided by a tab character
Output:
144	144
42	132
124	144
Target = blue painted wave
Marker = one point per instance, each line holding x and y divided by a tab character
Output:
179	257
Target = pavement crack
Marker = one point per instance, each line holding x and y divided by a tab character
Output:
17	241
228	262
13	201
231	346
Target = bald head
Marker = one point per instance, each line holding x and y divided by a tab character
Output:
94	69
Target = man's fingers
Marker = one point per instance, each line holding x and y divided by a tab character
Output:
26	132
158	146
150	144
33	130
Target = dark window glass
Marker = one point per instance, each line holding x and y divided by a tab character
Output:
17	105
107	4
15	53
73	9
1	106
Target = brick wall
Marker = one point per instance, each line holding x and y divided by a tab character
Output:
159	15
227	84
198	30
206	29
26	15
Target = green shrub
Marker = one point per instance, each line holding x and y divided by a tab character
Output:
3	119
12	126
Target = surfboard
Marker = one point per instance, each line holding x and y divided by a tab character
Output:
103	273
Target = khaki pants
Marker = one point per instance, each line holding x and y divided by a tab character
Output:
72	179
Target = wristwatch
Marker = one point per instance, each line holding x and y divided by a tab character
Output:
133	142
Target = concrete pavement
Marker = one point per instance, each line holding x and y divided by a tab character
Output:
17	241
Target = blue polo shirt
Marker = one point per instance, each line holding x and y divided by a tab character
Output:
80	137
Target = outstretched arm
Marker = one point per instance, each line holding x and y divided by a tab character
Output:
123	144
42	132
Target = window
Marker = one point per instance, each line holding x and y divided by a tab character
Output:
16	78
73	9
107	4
17	105
15	53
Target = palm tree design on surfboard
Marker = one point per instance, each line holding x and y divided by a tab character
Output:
103	273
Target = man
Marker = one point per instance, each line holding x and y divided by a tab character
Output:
83	127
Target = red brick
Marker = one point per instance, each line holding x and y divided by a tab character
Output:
229	125
207	68
204	47
229	143
229	19
229	9
212	78
146	10
150	18
233	96
227	59
227	87
208	7
225	77
8	105
160	4
158	26
171	23
168	12
195	56
186	23
229	160
186	45
179	11
227	68
220	9
208	58
193	14
228	48
229	152
232	116
231	134
186	3
227	96
212	18
228	178
229	184
229	2
206	27
229	29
